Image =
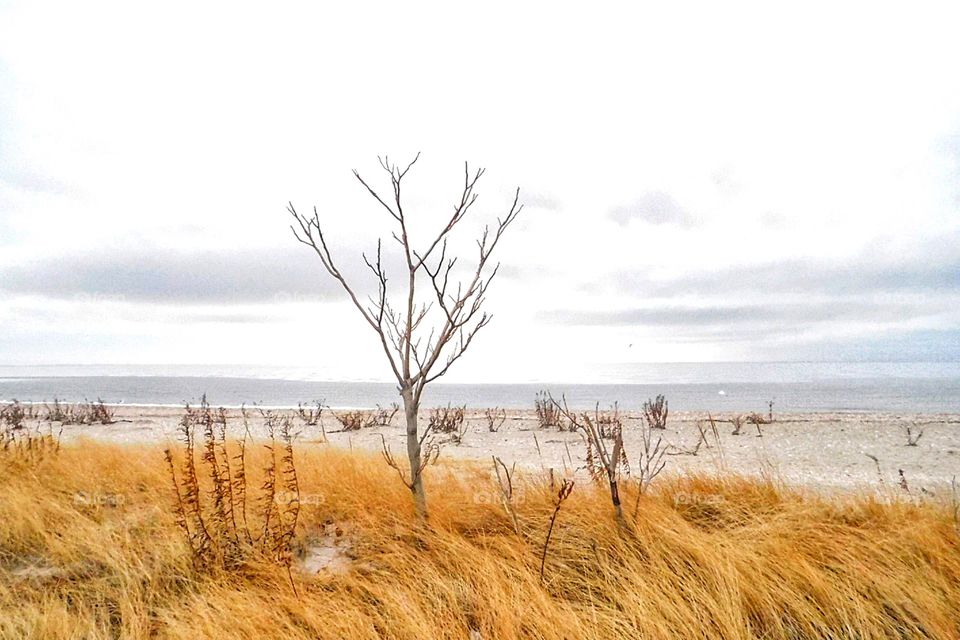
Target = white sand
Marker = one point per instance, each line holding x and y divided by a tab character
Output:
822	450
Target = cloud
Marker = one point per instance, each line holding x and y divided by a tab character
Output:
932	266
240	276
703	317
654	207
892	346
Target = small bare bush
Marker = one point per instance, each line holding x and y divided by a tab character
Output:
650	462
358	419
655	412
354	420
310	413
101	413
548	414
495	418
82	413
13	415
56	412
384	417
447	419
609	423
605	464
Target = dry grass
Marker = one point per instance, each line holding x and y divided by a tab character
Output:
90	547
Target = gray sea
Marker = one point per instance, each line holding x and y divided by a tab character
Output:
902	387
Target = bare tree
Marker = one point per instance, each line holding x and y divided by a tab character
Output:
427	334
603	463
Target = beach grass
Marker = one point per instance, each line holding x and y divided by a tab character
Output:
90	547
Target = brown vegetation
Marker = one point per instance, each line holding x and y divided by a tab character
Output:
80	413
548	414
448	419
310	413
358	419
13	415
90	547
210	503
655	412
494	418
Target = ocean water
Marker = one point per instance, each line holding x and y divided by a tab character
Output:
911	387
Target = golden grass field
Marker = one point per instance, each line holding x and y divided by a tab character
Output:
90	548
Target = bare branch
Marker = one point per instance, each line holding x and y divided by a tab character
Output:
311	235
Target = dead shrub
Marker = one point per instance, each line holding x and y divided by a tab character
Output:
494	418
353	420
56	412
359	419
609	423
605	464
384	417
448	419
655	412
81	413
13	415
310	413
650	462
210	494
99	412
548	414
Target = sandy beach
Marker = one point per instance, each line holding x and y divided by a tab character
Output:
827	451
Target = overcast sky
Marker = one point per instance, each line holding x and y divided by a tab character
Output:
702	182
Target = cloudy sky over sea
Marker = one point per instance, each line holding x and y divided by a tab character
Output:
703	182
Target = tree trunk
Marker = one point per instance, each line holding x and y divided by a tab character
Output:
615	497
413	453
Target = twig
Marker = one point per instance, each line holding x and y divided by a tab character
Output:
565	490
